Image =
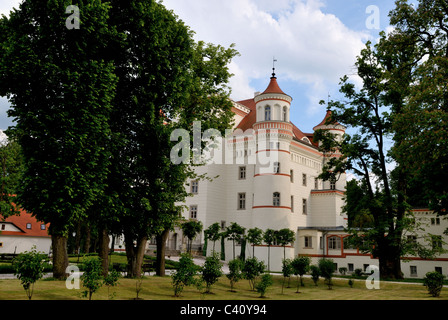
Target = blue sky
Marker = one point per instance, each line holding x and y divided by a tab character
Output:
315	43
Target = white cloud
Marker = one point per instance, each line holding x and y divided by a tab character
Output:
312	48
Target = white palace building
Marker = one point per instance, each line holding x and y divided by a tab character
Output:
269	180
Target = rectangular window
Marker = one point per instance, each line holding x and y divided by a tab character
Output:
316	183
413	271
304	179
308	242
276	199
438	269
304	206
292	203
194	186
3	227
276	167
28	225
1	244
193	212
436	242
241	201
332	185
223	224
435	221
321	242
42	227
291	175
242	173
350	267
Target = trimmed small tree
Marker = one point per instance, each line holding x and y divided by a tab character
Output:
111	280
287	271
184	275
212	233
255	237
300	265
326	267
190	229
434	283
92	277
262	286
315	274
252	269
235	232
235	272
29	267
269	239
211	271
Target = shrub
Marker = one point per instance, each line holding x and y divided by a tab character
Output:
184	275
326	267
111	280
265	282
29	267
300	266
211	271
315	274
91	279
235	272
252	269
434	283
287	271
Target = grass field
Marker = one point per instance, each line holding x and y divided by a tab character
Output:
157	288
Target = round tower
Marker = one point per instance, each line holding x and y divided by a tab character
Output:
272	179
338	131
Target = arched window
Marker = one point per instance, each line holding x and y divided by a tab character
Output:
267	113
276	199
284	114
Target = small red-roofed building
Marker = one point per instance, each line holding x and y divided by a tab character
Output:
19	233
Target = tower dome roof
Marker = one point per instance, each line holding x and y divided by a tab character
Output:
273	87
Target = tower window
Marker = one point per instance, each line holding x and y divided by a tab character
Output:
276	199
241	201
242	173
193	212
267	113
304	206
276	167
194	186
284	114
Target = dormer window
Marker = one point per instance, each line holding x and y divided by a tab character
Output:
267	113
28	225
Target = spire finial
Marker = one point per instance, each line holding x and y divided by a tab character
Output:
273	66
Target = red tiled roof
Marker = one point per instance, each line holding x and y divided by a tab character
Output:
324	122
21	221
273	87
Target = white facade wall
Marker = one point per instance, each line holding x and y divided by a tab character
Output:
19	244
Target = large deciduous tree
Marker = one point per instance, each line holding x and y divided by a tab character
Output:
61	91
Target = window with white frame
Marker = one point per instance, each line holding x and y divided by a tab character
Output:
413	271
194	186
28	225
267	113
334	243
304	206
308	241
276	199
276	167
242	173
193	212
304	179
242	201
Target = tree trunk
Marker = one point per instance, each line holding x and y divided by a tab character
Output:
161	249
389	260
104	250
135	255
60	257
87	243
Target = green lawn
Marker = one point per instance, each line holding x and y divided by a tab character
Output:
157	288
